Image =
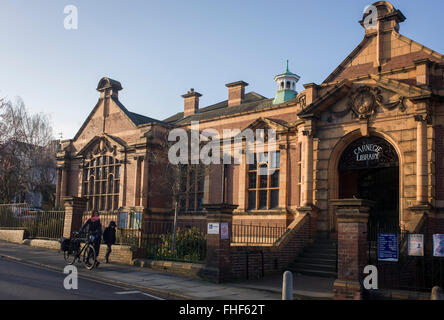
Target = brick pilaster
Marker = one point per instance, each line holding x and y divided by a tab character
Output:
218	266
74	208
352	217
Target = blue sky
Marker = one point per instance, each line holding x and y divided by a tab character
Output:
160	49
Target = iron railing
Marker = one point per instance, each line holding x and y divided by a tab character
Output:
38	224
154	239
418	273
256	235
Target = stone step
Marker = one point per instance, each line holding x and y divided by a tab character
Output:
317	255
313	266
329	262
316	273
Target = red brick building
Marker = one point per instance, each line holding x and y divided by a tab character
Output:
373	129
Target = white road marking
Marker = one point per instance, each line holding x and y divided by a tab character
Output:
136	292
151	296
127	292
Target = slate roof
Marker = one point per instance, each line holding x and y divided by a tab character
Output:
253	102
136	118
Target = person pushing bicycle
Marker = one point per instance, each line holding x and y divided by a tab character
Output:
94	227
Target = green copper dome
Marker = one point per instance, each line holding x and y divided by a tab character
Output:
286	86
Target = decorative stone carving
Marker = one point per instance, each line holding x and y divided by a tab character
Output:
302	100
364	100
101	147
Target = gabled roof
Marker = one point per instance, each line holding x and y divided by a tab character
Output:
341	72
135	118
335	92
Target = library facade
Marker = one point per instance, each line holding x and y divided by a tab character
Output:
372	130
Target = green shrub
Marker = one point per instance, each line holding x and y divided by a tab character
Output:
190	246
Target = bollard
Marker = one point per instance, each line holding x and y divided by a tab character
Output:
437	293
287	286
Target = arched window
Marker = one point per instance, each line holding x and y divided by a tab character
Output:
101	180
288	84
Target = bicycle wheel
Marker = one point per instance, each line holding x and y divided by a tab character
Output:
89	257
70	256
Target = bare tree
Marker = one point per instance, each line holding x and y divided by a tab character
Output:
27	152
170	180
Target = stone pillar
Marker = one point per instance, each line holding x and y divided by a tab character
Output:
421	160
352	218
218	258
283	177
74	209
307	163
242	182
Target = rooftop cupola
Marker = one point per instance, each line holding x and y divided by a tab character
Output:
286	83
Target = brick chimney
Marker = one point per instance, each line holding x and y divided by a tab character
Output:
236	93
191	102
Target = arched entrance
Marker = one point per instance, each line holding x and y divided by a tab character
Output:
369	169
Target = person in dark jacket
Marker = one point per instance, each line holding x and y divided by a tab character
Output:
109	237
94	228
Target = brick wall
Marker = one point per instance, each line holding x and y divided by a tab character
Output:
277	257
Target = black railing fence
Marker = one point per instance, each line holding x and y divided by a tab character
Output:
38	224
256	235
154	239
418	273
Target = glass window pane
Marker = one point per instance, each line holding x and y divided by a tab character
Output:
274	183
263	181
251	200
118	172
98	161
275	160
263	199
110	184
200	201
191	203
274	199
252	166
252	180
116	186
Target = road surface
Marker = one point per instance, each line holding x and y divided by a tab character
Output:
22	281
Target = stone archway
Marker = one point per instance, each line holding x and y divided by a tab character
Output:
334	176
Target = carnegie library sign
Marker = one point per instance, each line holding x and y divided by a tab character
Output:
368	152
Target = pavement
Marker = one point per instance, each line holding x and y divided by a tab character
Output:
173	286
23	281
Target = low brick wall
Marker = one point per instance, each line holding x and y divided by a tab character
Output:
192	270
120	254
276	257
16	236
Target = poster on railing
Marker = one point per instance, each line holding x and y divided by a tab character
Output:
224	231
416	245
438	245
388	249
213	228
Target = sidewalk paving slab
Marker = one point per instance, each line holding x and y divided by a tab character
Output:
175	286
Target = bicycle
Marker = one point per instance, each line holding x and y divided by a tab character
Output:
85	254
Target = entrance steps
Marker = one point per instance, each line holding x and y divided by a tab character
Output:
318	259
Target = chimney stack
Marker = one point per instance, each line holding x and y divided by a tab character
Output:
236	93
191	102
